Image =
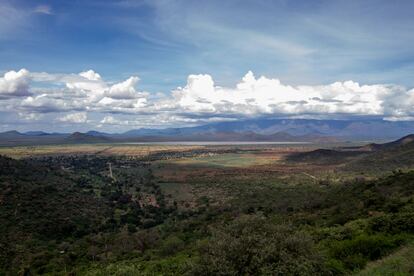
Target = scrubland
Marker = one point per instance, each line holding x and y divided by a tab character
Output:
205	210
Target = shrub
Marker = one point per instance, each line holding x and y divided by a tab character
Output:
171	246
252	246
393	224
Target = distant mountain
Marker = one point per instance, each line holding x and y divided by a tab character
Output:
11	134
155	132
222	136
343	129
78	137
11	138
243	130
36	133
97	133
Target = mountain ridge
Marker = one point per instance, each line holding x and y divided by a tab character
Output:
242	130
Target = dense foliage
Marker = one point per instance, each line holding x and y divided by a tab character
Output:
67	214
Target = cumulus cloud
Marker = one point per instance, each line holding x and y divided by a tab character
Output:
96	89
44	103
255	96
124	90
122	105
80	117
200	100
90	75
15	84
88	82
84	91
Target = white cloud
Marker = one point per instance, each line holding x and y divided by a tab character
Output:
110	120
396	119
15	84
97	90
44	103
90	75
84	91
30	116
80	117
199	101
124	90
88	82
121	105
269	96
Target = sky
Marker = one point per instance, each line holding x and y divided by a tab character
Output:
119	65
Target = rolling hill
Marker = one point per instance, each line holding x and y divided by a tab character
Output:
384	157
389	156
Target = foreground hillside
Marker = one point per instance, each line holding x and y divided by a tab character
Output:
205	212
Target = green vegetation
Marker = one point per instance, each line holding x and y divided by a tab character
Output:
399	263
67	214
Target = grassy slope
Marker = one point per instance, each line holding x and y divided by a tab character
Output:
387	159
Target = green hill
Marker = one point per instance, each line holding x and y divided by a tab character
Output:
387	157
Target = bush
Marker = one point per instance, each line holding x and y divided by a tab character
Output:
171	246
393	224
252	246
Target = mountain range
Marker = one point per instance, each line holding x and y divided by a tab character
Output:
297	130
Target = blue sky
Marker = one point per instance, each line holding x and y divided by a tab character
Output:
299	43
